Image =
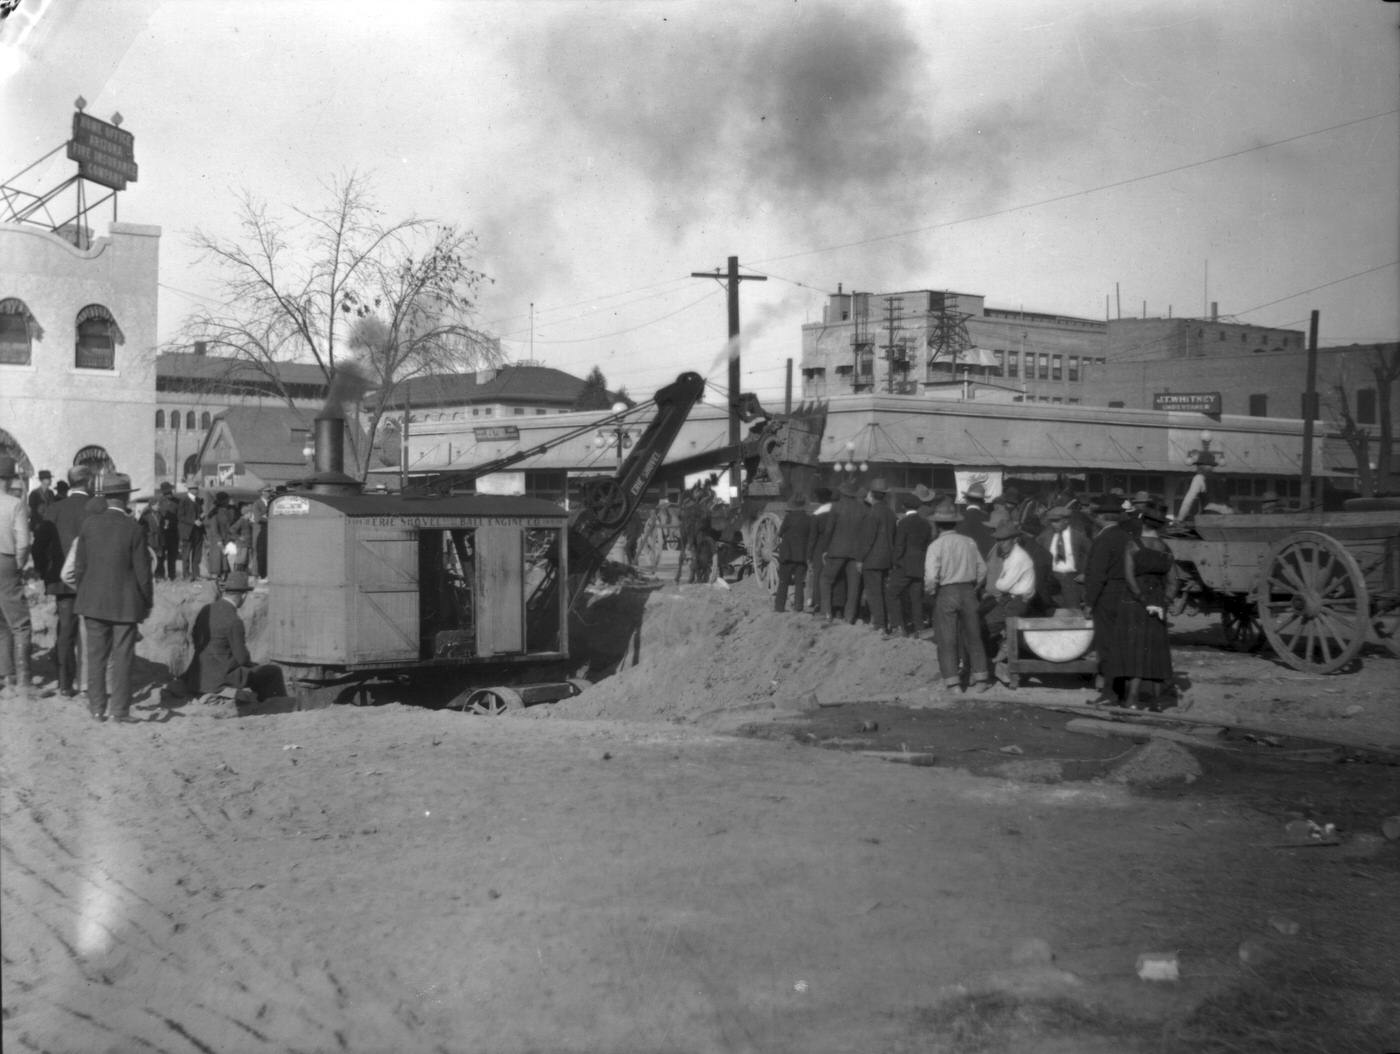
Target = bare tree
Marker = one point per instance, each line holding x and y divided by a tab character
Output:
1384	366
336	285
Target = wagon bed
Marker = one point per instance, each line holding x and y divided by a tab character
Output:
1317	586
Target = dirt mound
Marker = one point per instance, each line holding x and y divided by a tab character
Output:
697	653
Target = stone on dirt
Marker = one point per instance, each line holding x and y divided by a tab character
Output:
1032	950
1157	762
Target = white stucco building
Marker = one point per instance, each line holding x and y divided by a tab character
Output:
77	349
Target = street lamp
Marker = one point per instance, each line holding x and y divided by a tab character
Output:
1205	458
617	435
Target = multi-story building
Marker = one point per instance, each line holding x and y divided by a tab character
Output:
194	388
1252	371
930	343
77	348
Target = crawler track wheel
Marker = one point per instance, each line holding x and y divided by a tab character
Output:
764	550
493	702
1313	603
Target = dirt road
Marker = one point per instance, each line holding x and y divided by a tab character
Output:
390	878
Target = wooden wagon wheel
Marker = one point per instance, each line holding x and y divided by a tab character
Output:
1313	603
763	551
1239	622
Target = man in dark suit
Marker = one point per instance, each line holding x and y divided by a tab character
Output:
904	591
64	521
974	519
191	528
794	540
221	660
168	552
842	559
877	553
112	572
1105	585
1069	557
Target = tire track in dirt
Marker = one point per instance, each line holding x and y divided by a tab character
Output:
97	905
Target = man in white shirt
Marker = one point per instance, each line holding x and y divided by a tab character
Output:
1010	587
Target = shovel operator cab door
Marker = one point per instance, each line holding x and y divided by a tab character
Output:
379	583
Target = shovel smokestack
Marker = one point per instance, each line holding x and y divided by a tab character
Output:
330	445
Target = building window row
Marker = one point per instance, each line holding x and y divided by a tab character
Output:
97	336
203	420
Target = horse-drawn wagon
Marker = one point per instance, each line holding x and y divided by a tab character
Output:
780	460
1317	586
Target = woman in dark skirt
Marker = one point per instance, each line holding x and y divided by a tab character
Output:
1141	652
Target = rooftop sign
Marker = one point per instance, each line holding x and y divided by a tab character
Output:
105	154
1189	402
497	433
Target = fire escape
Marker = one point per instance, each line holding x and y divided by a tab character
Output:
948	341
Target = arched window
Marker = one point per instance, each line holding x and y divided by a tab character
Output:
18	332
189	421
174	420
204	420
98	337
191	467
160	420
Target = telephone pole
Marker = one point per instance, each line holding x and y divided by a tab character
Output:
734	278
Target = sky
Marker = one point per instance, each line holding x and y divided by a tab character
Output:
1070	157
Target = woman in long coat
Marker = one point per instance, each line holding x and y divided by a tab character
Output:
1141	653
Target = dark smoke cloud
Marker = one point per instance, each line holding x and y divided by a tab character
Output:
824	116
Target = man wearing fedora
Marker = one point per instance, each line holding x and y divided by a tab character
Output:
190	526
112	572
1069	556
1011	586
794	541
1105	585
65	520
15	629
877	553
221	663
904	593
974	519
842	559
953	573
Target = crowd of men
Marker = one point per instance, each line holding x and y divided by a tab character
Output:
99	557
968	567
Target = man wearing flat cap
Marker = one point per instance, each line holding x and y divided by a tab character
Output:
15	628
112	574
